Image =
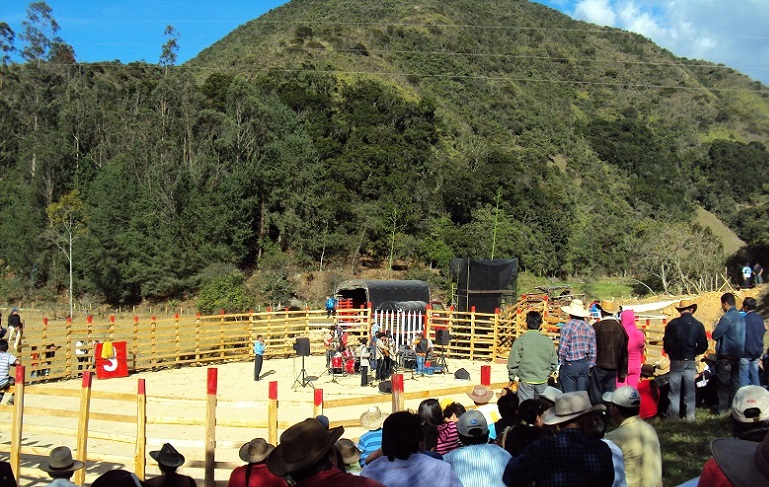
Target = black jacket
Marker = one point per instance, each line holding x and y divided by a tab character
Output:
685	338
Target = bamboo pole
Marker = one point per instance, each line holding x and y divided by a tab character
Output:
272	414
210	427
82	430
472	332
18	424
317	403
495	345
140	455
397	392
221	334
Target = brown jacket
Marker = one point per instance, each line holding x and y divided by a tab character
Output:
611	346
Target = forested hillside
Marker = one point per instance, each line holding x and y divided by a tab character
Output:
330	133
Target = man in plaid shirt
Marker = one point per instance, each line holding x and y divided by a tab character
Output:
576	349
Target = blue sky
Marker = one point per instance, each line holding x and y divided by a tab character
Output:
732	32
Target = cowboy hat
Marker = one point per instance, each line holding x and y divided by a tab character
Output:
60	461
662	366
569	406
551	394
607	306
168	456
745	463
480	394
373	418
686	304
350	452
302	445
576	308
255	450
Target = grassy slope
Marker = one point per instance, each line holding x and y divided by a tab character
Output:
731	241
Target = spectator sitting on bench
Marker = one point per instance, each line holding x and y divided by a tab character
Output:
6	361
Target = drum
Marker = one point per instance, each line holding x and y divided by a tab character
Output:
349	366
337	365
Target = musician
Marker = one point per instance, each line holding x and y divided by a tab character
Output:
363	355
384	365
328	344
421	347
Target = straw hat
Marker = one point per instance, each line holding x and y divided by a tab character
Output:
60	461
685	304
302	445
373	418
607	306
255	450
168	456
662	366
480	394
569	406
576	308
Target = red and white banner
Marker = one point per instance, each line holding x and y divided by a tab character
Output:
111	364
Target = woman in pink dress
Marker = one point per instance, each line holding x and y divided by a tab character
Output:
635	348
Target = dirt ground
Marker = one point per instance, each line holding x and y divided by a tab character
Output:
239	398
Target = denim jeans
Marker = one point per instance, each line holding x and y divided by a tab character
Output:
574	376
420	364
682	375
727	382
530	391
749	372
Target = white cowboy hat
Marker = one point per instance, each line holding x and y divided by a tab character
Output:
576	308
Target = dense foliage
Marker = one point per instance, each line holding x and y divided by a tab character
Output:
443	129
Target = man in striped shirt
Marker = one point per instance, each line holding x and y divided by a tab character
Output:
576	349
477	463
371	441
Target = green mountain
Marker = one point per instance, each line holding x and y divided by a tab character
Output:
344	133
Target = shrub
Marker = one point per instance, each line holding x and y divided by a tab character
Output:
226	292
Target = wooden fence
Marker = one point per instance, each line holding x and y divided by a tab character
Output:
117	430
51	351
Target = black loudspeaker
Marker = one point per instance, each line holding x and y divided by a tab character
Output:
462	374
386	387
302	346
442	336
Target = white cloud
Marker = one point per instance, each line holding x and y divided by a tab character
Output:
595	11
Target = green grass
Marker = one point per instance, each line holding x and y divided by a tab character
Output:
686	445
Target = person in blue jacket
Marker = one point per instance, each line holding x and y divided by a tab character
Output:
259	347
729	335
330	306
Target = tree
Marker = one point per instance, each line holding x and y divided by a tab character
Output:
170	48
7	37
66	219
40	32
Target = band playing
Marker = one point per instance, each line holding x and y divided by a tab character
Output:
377	355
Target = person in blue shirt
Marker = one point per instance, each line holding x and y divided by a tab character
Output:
259	348
754	344
330	306
729	335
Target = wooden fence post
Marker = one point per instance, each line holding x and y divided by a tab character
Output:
135	342
82	429
495	343
486	375
397	388
317	404
18	423
210	427
153	342
272	414
67	351
221	334
472	332
140	455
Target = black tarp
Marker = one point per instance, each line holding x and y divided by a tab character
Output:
482	283
382	292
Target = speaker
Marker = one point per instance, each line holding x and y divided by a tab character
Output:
386	387
302	346
462	374
442	336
